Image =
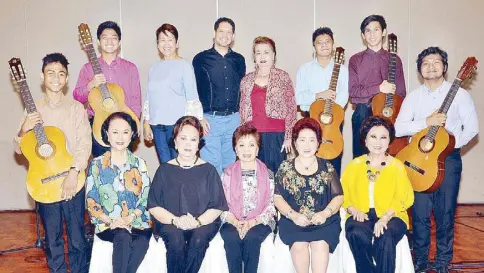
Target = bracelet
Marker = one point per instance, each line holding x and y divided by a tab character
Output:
199	223
288	214
173	221
330	210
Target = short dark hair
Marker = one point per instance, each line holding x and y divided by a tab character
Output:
187	120
322	31
167	28
373	18
55	58
245	130
224	19
306	123
119	115
375	121
429	51
108	25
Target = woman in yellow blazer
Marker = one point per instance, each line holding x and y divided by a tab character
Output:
377	194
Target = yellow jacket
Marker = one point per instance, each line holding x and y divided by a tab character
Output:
392	188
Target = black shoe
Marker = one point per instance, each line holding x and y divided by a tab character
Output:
422	267
442	269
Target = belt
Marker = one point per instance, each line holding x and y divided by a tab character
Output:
220	113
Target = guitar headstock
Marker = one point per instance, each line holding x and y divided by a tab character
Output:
85	34
339	55
468	68
392	43
17	70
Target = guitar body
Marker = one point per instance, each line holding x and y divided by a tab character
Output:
425	166
103	108
332	145
41	167
379	109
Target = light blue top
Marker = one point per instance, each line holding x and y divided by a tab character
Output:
171	83
312	78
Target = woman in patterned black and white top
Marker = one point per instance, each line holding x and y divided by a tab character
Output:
249	188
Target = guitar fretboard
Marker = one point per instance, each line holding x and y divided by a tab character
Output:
328	106
392	67
445	107
30	107
96	67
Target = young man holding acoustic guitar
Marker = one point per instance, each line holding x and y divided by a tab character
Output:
368	71
115	70
419	111
56	109
314	77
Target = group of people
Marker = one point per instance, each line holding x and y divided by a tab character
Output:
222	135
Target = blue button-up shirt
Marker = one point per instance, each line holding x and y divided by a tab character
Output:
312	78
218	79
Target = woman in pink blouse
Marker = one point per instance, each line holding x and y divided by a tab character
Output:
249	188
268	103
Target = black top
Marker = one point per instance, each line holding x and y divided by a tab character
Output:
182	191
218	79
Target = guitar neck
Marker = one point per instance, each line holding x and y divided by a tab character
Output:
333	84
96	67
392	67
445	106
30	107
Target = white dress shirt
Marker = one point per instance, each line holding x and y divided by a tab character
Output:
422	102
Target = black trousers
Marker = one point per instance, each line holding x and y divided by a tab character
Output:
383	248
443	201
53	217
129	249
270	150
362	112
245	250
185	249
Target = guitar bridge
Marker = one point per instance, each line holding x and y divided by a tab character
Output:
413	167
54	177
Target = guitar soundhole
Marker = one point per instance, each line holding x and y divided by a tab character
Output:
108	103
387	112
426	145
326	118
45	150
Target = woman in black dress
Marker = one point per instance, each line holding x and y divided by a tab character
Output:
186	199
308	194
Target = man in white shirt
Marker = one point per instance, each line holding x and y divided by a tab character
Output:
313	79
419	111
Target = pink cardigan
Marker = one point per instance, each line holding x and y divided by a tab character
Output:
280	99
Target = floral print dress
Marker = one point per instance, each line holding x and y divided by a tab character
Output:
117	191
308	194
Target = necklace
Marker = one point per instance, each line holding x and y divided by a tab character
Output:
306	167
186	166
369	173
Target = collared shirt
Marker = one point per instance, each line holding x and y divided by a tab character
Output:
367	70
71	118
117	191
218	79
121	72
313	78
171	84
422	102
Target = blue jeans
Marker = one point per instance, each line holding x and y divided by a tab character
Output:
161	136
218	149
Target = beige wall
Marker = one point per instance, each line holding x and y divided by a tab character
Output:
31	29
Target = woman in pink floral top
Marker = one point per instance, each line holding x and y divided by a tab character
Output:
249	188
267	102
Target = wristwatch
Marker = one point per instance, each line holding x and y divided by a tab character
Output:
75	169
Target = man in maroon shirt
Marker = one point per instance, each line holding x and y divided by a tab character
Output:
368	71
115	70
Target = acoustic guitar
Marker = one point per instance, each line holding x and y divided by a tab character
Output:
45	149
330	115
424	157
107	98
388	105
